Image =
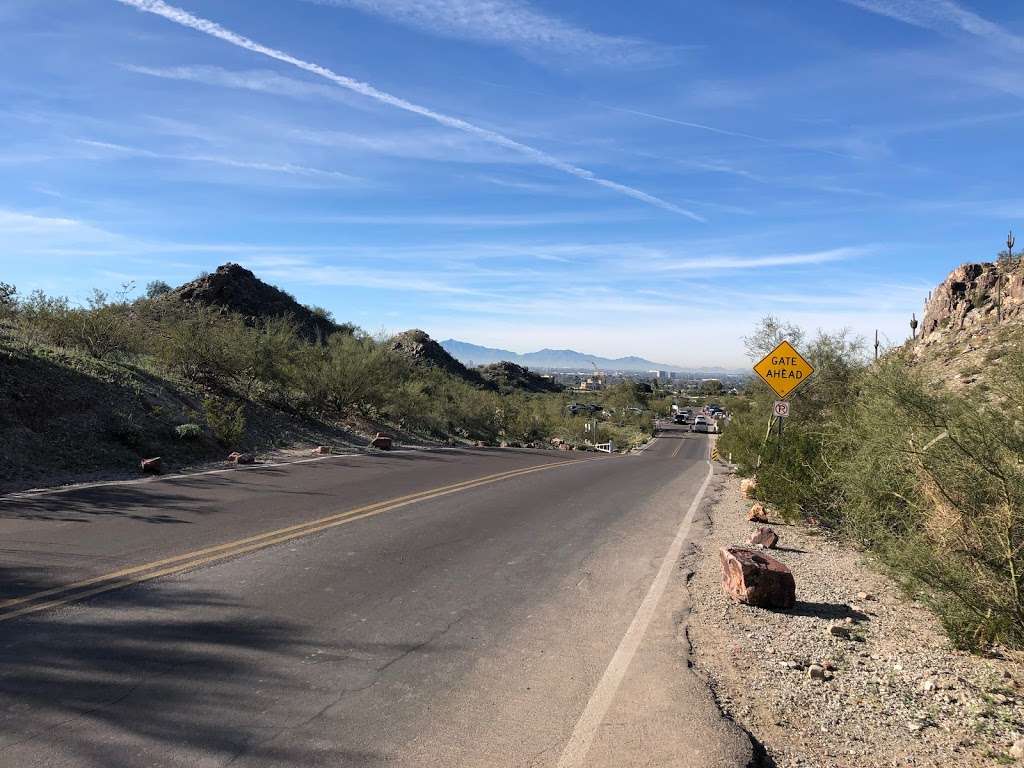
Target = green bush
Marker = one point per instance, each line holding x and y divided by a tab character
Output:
930	481
934	483
226	421
188	432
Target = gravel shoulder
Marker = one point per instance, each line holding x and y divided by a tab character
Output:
894	693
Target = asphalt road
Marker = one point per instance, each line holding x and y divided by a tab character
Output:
448	608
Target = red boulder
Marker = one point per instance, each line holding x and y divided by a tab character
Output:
150	466
764	537
757	513
752	577
382	441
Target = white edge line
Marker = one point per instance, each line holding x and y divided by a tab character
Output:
576	749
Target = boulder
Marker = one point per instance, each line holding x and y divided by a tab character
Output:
150	466
381	441
241	458
752	577
764	537
757	513
747	487
323	450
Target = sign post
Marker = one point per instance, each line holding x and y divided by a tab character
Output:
783	369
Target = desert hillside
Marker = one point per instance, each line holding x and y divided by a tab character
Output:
970	321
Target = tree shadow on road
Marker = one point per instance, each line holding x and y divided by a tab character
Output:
158	675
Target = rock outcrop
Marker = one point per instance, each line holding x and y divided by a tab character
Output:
419	349
968	298
233	288
509	377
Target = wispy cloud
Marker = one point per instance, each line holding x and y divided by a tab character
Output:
185	19
230	162
258	80
514	24
719	263
943	16
418	144
472	221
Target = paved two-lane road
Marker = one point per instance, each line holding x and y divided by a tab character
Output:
444	608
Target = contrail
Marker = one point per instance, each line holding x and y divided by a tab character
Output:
185	19
722	131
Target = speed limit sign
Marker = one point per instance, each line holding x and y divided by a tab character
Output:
781	409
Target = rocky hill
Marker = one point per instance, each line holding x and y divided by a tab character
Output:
235	289
509	377
969	322
417	347
968	297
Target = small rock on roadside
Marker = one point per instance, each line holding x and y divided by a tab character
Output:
765	537
839	630
757	513
151	466
818	672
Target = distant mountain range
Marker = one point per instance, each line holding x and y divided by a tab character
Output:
570	359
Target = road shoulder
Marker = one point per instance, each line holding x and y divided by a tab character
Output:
898	693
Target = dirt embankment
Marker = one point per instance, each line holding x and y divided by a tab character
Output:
896	692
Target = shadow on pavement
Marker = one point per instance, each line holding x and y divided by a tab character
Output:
158	676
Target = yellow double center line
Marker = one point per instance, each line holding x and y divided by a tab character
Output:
79	590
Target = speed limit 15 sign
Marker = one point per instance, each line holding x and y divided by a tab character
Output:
781	409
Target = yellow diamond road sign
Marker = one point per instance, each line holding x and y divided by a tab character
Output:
783	369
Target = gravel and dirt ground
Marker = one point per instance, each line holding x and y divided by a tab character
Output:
888	688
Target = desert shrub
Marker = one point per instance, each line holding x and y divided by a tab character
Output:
226	420
349	372
188	432
935	485
207	346
8	300
157	288
103	329
124	427
930	481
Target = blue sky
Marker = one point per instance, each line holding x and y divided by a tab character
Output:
620	178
